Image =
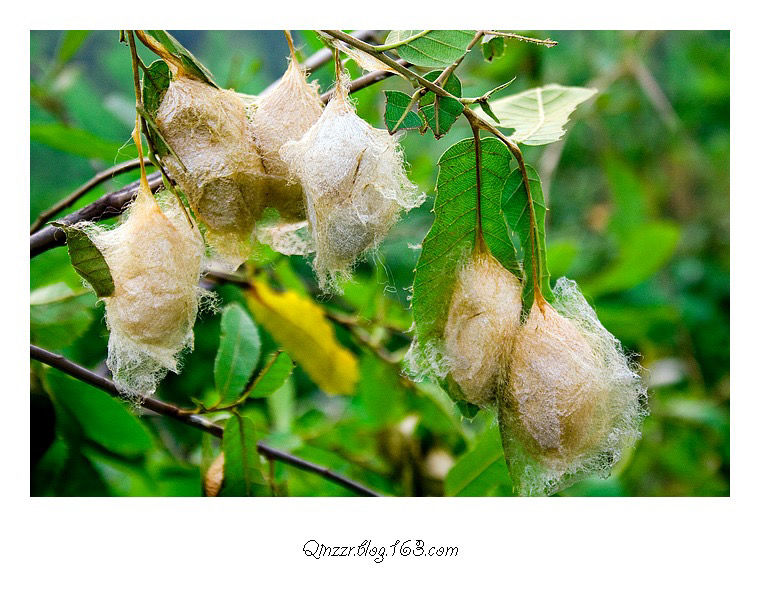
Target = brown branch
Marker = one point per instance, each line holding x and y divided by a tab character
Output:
109	205
69	200
364	81
164	408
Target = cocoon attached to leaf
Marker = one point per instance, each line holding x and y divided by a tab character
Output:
154	257
572	400
220	171
483	318
355	184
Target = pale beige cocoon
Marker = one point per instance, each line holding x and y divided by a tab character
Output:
573	401
355	184
155	261
223	175
284	113
484	315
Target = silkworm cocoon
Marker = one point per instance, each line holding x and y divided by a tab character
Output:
355	184
155	261
282	114
483	318
573	402
223	175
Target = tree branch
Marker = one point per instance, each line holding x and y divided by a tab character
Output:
108	206
170	410
69	200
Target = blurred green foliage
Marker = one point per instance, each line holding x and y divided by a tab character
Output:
637	193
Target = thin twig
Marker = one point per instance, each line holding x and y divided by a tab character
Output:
164	408
364	81
323	56
443	78
399	68
549	43
69	200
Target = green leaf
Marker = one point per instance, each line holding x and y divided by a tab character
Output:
70	44
480	469
380	398
517	212
486	107
396	104
282	407
644	251
538	115
442	112
467	409
453	234
122	478
104	419
272	376
190	62
58	316
87	260
156	81
435	409
242	466
493	46
78	142
436	49
238	354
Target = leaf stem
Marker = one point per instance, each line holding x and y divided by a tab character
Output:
480	244
444	76
138	107
157	48
416	96
291	47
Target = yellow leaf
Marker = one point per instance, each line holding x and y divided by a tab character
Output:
299	325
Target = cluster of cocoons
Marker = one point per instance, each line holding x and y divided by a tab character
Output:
569	400
155	258
336	183
355	184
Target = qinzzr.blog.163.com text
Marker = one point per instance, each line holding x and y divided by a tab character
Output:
377	553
